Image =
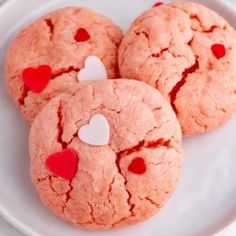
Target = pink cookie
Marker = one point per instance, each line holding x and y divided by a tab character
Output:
44	59
120	177
188	53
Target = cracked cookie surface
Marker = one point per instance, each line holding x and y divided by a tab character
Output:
170	48
104	193
51	41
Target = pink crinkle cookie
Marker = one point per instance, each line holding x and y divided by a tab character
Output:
44	59
188	53
107	156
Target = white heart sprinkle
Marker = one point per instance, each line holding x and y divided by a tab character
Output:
94	70
97	132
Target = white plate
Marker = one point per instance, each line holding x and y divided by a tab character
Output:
205	200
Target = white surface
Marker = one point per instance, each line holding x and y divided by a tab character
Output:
94	68
205	200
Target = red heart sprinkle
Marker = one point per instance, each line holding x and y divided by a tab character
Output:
63	164
137	166
157	4
36	79
218	50
82	35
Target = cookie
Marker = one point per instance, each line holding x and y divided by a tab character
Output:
188	53
107	156
45	58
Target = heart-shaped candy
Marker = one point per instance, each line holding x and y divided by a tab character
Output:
82	35
157	4
97	132
63	164
36	79
94	70
218	50
137	166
